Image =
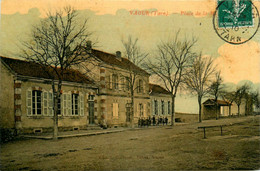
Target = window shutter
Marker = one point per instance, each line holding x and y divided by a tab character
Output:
159	107
69	104
138	110
50	106
81	104
152	107
45	103
144	110
166	108
63	104
110	81
120	83
116	109
29	102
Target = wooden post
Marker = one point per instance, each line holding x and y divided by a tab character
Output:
221	130
204	132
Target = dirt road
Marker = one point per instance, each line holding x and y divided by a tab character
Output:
164	148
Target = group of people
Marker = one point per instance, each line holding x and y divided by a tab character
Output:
148	121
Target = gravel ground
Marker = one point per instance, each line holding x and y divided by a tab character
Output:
164	148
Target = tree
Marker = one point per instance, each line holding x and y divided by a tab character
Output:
215	90
198	78
57	44
240	94
255	99
133	54
174	57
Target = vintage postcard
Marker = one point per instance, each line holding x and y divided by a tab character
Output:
129	84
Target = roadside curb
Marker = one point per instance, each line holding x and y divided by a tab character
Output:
70	135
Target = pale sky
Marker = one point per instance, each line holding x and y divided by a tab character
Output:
112	20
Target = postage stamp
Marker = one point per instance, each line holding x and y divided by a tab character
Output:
236	21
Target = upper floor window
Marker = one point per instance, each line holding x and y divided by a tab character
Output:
115	81
140	86
127	83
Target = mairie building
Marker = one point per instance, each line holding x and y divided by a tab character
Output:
101	97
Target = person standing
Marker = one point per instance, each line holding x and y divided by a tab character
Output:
154	121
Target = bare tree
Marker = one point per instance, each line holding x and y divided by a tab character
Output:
240	94
136	56
199	78
174	57
215	90
56	44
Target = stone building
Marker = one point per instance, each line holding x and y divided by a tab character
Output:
26	98
114	74
160	102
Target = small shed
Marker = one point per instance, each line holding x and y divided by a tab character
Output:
212	109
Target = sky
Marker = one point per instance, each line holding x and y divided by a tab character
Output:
111	21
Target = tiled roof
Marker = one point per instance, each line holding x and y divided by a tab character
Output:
26	68
211	102
154	88
113	60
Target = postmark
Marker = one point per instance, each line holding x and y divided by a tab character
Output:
236	21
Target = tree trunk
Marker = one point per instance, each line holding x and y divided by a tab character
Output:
216	110
132	109
199	101
173	111
238	110
229	110
56	95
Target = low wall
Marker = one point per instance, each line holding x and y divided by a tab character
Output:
186	117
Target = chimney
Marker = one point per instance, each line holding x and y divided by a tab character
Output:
89	46
118	54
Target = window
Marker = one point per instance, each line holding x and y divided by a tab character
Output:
141	109
74	104
155	107
115	81
122	83
59	105
127	82
91	97
162	107
36	102
169	107
115	109
140	86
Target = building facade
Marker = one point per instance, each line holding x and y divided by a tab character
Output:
117	76
161	102
27	99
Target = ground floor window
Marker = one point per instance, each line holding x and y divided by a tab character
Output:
169	107
162	103
74	104
155	107
36	102
115	109
141	110
41	102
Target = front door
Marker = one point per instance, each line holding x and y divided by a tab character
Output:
128	112
91	112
